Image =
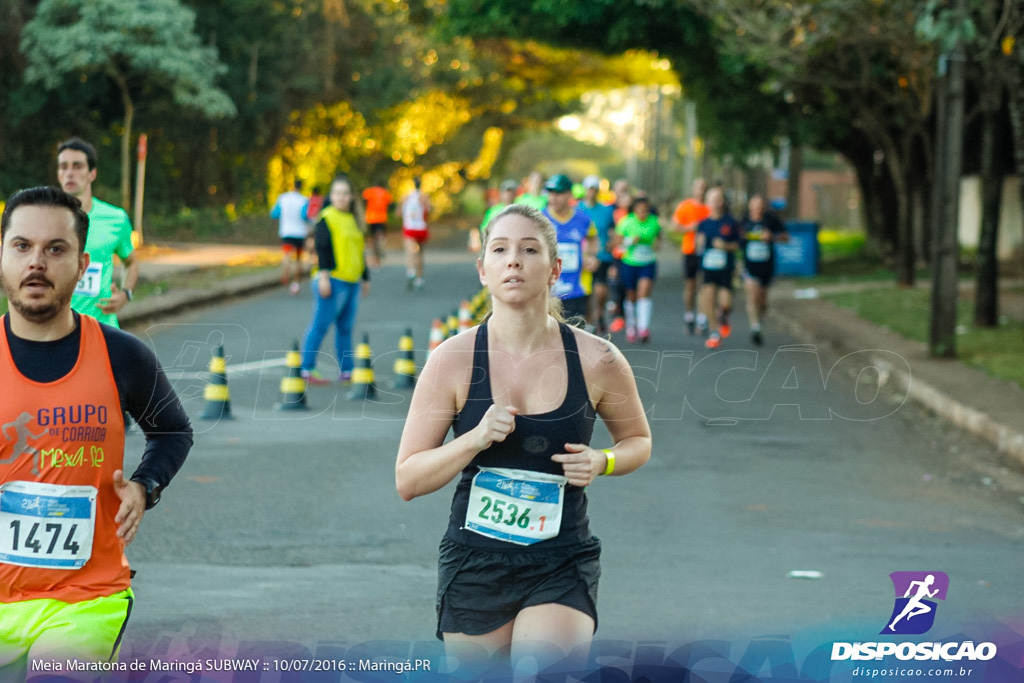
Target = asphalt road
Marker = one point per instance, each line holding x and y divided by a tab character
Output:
284	527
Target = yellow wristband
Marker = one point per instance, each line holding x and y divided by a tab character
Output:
610	455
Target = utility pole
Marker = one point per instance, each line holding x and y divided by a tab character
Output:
942	332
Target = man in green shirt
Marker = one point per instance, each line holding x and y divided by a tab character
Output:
110	232
534	195
508	196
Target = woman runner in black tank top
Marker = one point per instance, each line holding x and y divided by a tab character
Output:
518	563
529	447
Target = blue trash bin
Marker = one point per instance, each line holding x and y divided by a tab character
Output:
799	256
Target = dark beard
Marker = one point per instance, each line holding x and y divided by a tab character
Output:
37	313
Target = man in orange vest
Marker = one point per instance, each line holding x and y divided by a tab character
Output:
67	511
377	199
687	216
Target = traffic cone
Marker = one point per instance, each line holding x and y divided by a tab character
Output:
436	335
465	317
293	384
405	364
453	323
216	394
479	305
362	373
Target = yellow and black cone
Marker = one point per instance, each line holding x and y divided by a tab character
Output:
405	364
293	384
362	373
216	394
478	305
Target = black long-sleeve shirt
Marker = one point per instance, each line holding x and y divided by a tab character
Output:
142	386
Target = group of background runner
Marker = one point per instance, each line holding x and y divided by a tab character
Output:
711	240
609	253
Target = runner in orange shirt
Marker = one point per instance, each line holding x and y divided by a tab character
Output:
687	216
377	199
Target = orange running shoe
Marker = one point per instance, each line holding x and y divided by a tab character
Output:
725	329
617	325
713	342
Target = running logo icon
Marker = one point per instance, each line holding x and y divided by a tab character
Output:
916	592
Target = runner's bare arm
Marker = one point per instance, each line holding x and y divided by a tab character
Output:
425	462
131	271
118	296
614	394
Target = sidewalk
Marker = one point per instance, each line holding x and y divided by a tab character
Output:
967	397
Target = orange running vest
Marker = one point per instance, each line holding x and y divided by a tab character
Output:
377	200
69	432
689	214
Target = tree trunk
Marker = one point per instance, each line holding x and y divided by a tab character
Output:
1017	124
126	141
796	169
942	328
906	259
986	292
874	197
897	163
918	216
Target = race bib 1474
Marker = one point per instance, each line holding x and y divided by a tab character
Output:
46	525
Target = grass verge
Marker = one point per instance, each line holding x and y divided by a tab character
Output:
998	351
197	279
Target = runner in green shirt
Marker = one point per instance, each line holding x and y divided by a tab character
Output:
508	196
638	235
534	192
110	233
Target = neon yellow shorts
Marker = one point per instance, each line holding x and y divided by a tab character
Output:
55	631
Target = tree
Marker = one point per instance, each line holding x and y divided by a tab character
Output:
733	107
845	74
858	62
998	73
142	46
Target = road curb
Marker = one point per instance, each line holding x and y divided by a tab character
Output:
839	332
180	300
1006	439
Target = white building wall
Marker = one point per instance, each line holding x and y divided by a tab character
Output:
1011	216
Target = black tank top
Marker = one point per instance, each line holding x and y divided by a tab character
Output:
529	447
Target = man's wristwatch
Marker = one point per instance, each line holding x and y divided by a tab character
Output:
127	293
152	491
